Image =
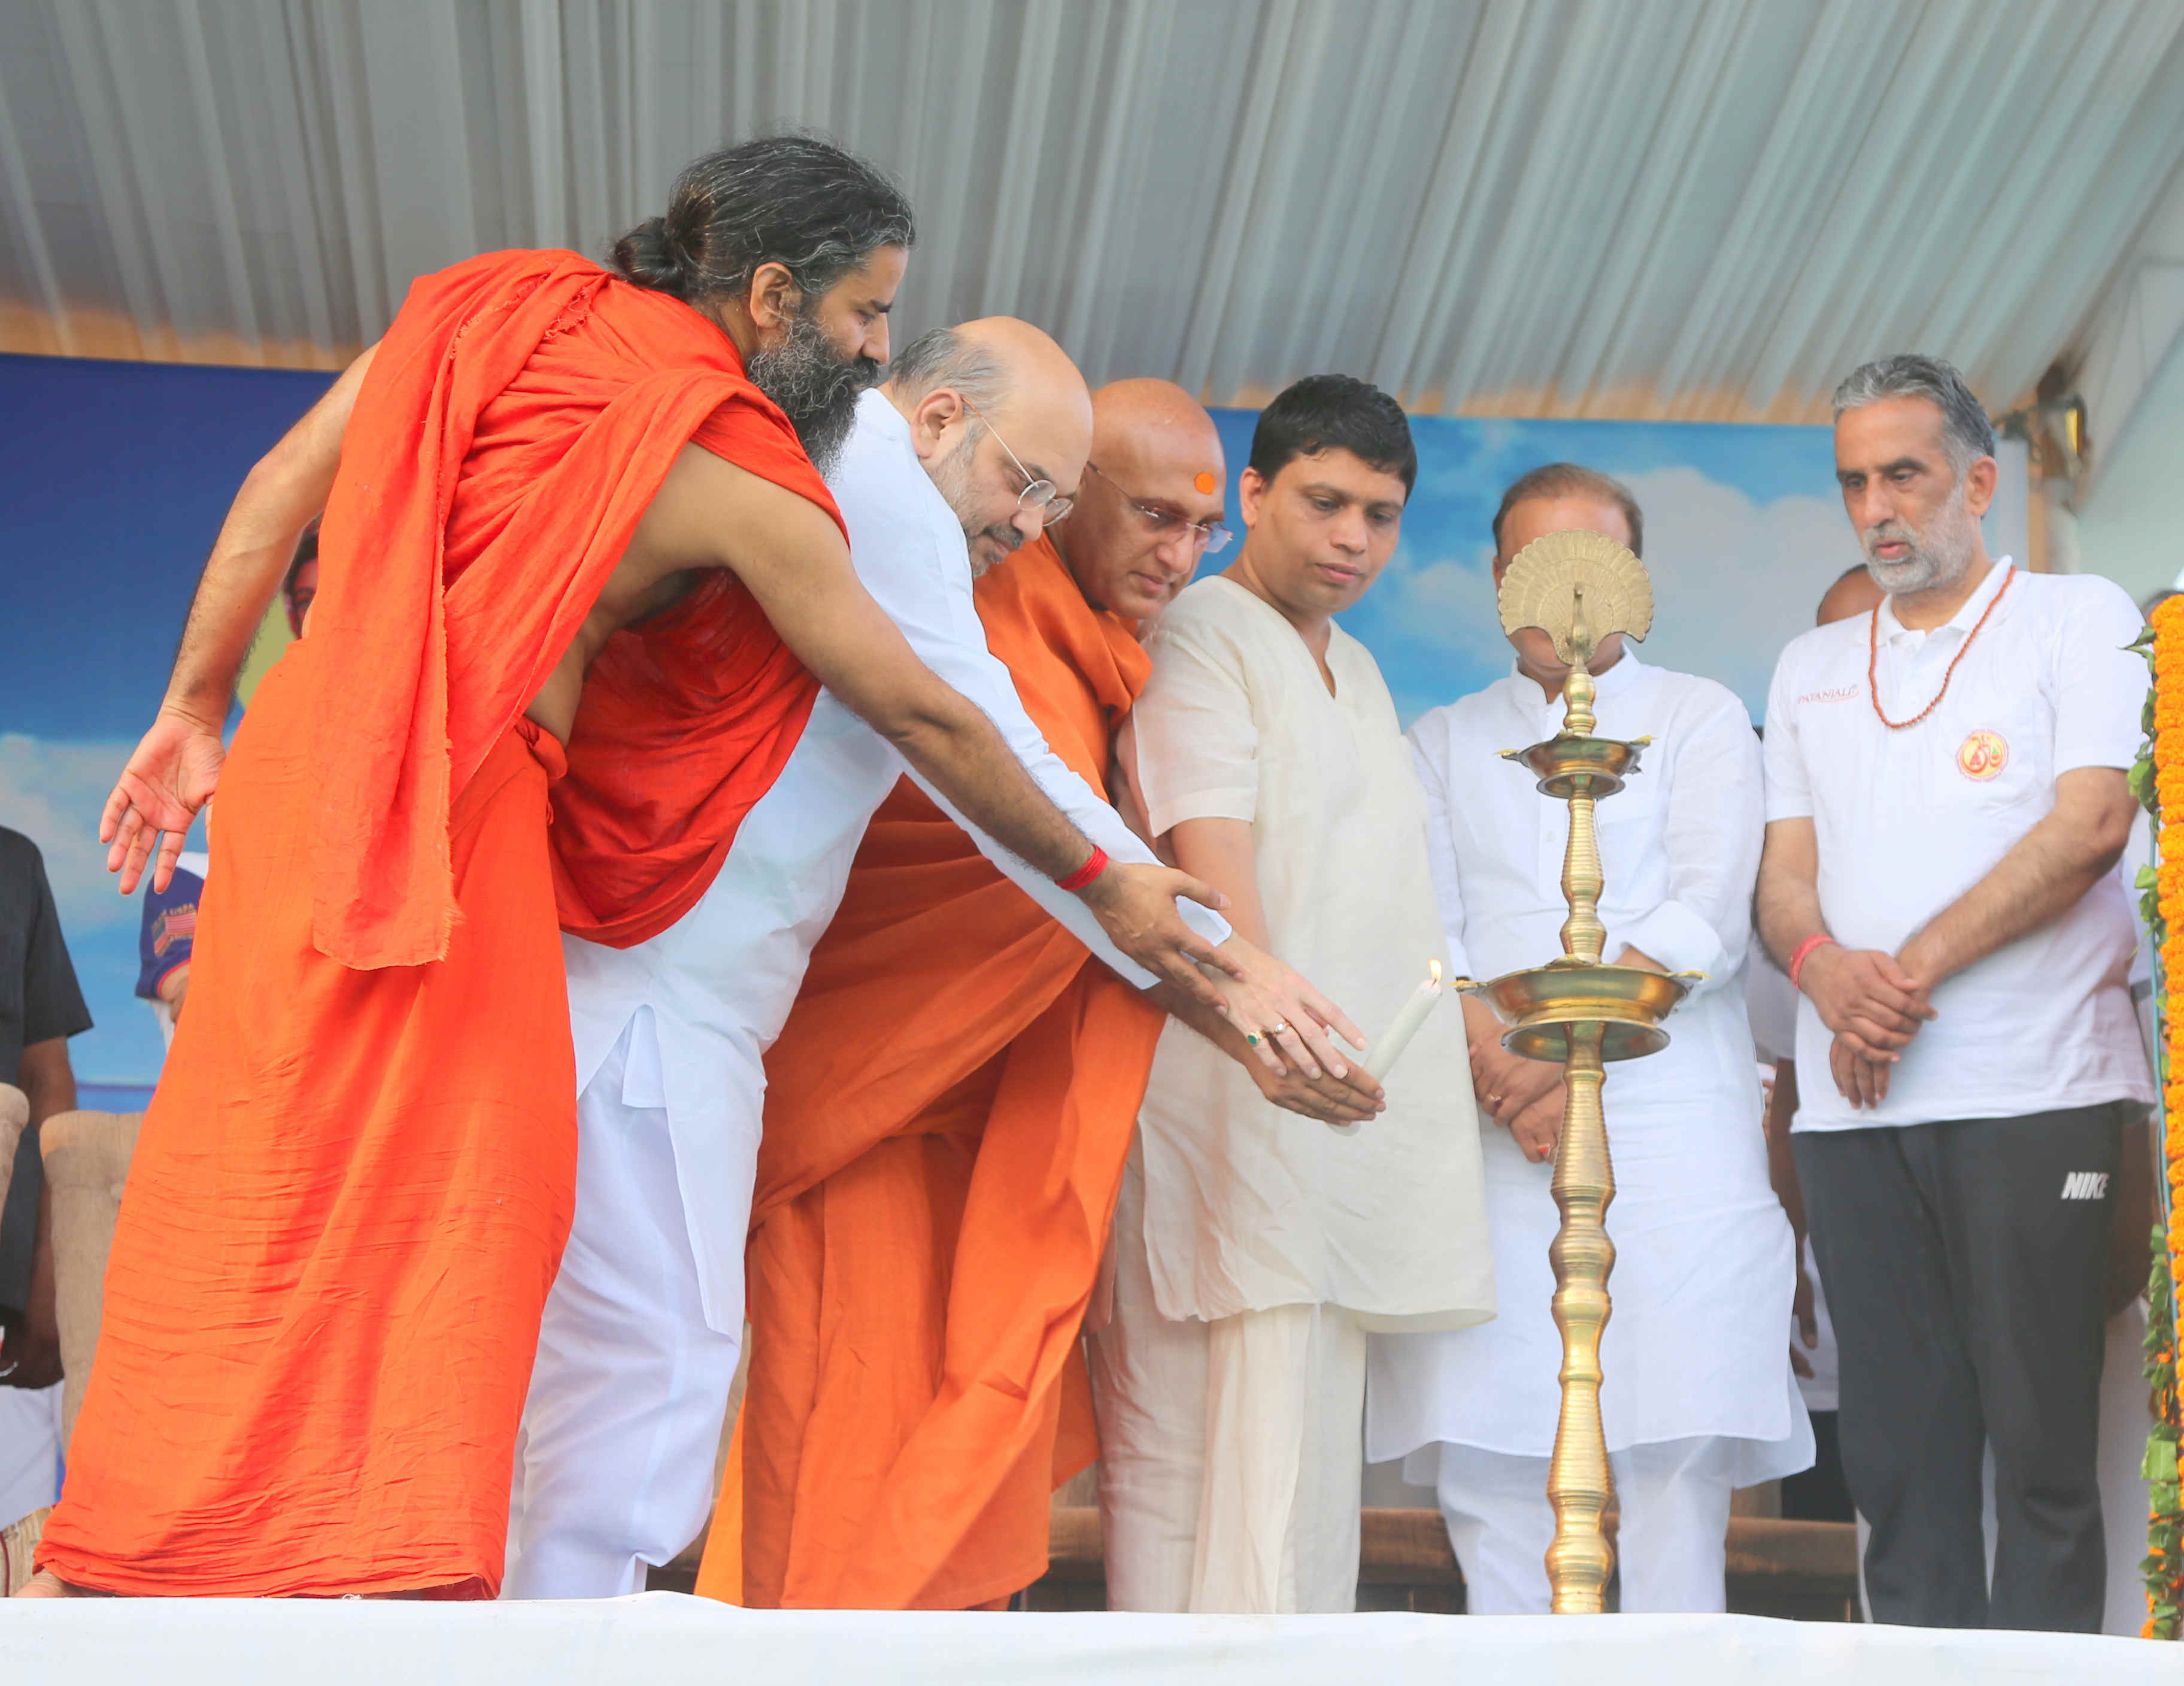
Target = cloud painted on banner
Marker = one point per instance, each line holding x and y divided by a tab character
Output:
52	793
1734	580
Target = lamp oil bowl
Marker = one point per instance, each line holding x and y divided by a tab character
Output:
1574	1011
1627	1002
1569	767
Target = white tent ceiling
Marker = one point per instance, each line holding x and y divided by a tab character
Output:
1681	208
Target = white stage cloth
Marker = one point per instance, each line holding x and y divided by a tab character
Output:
664	1639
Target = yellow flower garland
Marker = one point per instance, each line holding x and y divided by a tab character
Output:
2164	1452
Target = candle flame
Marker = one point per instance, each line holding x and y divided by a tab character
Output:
1432	971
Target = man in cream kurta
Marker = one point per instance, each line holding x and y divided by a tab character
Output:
1698	1395
1254	1249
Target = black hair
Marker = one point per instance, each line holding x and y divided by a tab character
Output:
1335	412
307	552
1573	480
793	199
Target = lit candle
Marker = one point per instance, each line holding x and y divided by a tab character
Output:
1385	1052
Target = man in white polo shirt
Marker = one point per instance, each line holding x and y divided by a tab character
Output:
1946	805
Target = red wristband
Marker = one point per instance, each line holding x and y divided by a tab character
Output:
1817	940
1085	874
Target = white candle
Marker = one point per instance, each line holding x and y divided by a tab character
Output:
1388	1048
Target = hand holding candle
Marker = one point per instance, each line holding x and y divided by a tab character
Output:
1392	1042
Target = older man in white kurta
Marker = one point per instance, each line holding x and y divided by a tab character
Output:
642	1328
1698	1395
1255	1249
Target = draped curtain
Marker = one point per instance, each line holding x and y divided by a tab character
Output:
1699	209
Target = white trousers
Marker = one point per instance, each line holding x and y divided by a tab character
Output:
1671	1542
1232	1452
614	1466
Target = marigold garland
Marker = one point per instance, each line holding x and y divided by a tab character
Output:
2158	782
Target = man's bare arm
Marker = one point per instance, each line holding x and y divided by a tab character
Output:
2043	877
174	768
797	565
1788	899
1222	851
284	489
1863	996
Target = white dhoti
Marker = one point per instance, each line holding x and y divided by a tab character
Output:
614	1466
1671	1543
1255	1248
1229	1473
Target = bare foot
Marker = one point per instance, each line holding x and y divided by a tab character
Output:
47	1585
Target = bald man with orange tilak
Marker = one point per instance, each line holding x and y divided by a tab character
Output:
977	441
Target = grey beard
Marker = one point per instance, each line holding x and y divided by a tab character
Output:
951	477
816	387
1939	560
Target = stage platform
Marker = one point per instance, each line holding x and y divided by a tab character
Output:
664	1639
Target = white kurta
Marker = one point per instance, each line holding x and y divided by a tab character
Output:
1702	1279
720	980
1248	1207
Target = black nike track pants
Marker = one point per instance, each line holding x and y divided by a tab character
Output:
1965	1265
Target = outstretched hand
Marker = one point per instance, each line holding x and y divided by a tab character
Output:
1135	905
1291	1019
168	779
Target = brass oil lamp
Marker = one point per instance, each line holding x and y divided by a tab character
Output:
1577	1012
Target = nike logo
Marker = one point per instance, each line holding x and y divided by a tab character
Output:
2086	1186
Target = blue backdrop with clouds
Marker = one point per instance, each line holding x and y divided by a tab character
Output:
117	475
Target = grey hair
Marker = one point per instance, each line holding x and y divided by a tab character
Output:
941	357
1966	432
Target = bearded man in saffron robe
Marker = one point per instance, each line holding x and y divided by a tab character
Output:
949	1108
354	1182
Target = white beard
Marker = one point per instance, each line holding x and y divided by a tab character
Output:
1937	559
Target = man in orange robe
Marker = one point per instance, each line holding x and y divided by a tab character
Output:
948	1111
351	1186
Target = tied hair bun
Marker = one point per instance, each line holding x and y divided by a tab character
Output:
651	257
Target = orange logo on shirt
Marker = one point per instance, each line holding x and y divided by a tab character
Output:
1982	754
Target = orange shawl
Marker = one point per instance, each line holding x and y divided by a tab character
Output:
948	1111
437	621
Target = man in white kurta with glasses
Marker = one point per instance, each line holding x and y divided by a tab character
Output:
1699	1397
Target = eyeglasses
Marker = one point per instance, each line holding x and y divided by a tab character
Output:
1041	496
1165	524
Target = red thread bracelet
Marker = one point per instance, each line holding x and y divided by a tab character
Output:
1085	874
1817	940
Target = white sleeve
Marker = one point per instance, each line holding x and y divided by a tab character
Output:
1193	740
1789	791
945	630
2099	682
1714	827
1429	741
